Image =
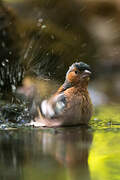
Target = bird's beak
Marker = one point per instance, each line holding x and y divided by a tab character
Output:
86	73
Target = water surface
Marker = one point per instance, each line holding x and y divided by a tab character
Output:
66	153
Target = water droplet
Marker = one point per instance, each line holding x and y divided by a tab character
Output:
95	119
13	88
26	109
3	63
40	20
43	26
14	80
19	76
6	60
1	83
10	52
3	44
39	23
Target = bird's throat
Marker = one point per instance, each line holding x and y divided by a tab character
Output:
67	85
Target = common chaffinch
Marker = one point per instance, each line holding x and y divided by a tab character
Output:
71	104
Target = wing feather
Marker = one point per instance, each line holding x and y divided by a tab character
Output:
54	107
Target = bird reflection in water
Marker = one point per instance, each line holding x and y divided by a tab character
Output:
45	153
70	147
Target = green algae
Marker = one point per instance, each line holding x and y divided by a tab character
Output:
107	116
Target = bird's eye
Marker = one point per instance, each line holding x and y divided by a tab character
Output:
76	72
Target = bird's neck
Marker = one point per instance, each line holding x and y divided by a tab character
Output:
82	85
66	85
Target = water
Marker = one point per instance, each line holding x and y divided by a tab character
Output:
70	153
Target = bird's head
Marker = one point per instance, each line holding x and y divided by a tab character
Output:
78	74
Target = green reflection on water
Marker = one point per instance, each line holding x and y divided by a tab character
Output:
104	156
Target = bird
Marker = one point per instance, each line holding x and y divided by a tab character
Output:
71	104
